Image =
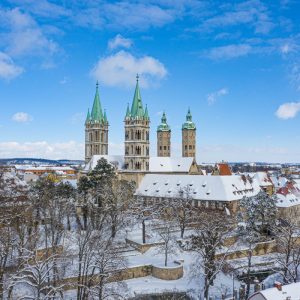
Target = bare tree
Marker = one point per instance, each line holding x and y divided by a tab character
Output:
287	236
33	274
107	263
208	239
98	257
182	208
13	200
166	235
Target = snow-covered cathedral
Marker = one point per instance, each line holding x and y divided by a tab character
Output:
137	143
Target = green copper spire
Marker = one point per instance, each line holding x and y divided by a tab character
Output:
88	117
163	125
105	117
146	114
189	124
137	109
127	111
97	115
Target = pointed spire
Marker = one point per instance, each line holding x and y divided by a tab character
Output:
137	105
189	124
97	114
127	112
146	114
189	116
105	117
88	117
163	125
164	118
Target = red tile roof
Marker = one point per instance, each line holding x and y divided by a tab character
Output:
224	169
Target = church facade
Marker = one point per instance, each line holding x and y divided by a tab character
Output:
136	134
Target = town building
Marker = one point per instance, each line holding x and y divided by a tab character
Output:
211	192
279	292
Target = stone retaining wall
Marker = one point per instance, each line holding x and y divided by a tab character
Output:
168	273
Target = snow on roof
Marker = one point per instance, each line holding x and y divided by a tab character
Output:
278	182
202	187
297	183
289	291
262	178
170	164
116	160
42	168
287	199
156	164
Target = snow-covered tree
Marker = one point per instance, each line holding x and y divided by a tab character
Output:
13	203
258	212
97	254
212	227
287	235
32	277
182	208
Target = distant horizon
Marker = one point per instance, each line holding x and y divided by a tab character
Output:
202	162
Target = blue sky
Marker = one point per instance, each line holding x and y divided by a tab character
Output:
235	64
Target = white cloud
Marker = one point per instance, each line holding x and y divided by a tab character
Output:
121	68
212	97
42	149
119	42
252	13
229	51
285	48
21	117
22	35
288	110
8	69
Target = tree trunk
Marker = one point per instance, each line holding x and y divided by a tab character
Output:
113	230
182	231
166	257
248	274
1	286
206	288
144	231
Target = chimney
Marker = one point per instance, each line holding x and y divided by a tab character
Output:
278	285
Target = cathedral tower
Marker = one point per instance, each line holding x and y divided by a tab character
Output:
163	138
137	127
96	130
189	137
